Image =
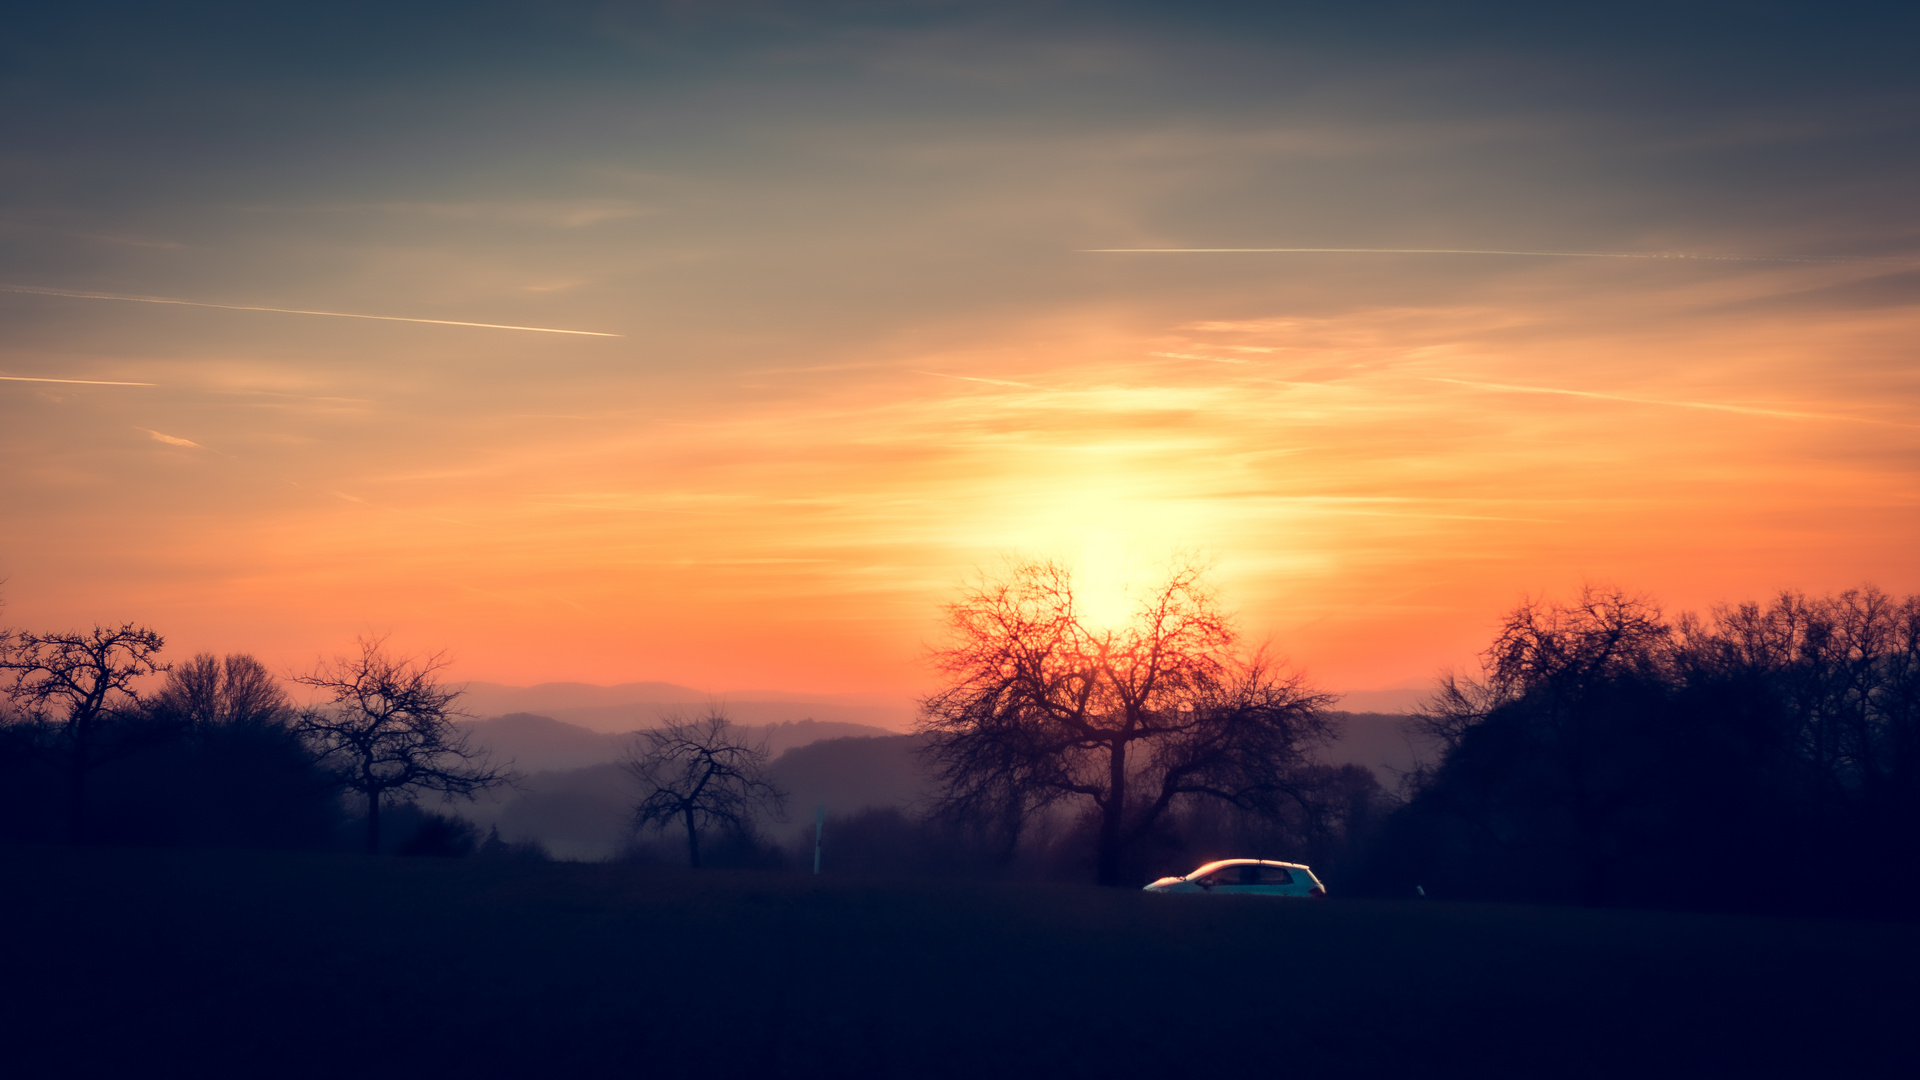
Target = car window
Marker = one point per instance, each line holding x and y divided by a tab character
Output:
1275	875
1242	874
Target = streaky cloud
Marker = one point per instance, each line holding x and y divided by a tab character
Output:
35	290
78	382
170	440
1474	251
975	378
1197	356
1748	410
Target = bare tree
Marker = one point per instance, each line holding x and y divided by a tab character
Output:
75	684
207	692
702	773
384	729
1043	705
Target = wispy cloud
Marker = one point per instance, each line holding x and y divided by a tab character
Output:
38	291
1715	406
972	378
77	382
1197	356
555	213
1477	251
170	440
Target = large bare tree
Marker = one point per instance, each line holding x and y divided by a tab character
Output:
384	728
701	774
75	685
1043	704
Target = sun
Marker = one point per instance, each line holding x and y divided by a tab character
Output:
1103	595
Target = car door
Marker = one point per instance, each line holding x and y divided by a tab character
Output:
1235	879
1275	881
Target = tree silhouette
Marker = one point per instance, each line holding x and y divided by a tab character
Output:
1601	736
206	692
384	728
701	773
1043	704
73	685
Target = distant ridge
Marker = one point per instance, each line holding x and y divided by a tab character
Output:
535	743
630	706
495	699
1393	699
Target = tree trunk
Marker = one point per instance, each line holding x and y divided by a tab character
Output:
373	822
693	840
1112	817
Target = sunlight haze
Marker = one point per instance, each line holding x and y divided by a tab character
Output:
857	305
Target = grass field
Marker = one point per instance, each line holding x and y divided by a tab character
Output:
292	964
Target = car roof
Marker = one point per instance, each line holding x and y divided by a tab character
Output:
1218	863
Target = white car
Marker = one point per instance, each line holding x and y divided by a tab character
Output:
1246	877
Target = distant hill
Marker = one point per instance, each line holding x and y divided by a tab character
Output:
1380	741
631	717
581	811
845	775
537	743
1394	699
574	813
493	699
576	800
631	706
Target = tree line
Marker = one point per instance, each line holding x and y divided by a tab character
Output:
217	753
1763	757
1760	757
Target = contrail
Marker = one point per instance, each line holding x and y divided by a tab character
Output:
1464	251
83	382
38	291
1716	407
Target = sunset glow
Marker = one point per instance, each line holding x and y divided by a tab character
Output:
819	345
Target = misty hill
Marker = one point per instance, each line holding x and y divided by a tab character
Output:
544	744
574	813
846	775
1381	741
582	812
630	706
492	699
1396	699
576	800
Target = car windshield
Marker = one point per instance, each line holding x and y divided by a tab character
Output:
1211	867
1272	873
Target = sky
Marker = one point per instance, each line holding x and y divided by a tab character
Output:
858	308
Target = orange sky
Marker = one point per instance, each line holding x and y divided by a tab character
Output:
862	353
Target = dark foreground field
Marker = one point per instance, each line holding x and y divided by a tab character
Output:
268	964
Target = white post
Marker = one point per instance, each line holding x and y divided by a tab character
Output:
819	826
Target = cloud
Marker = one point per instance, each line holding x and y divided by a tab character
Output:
1196	356
971	378
170	440
1475	251
79	382
38	291
555	213
1748	410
